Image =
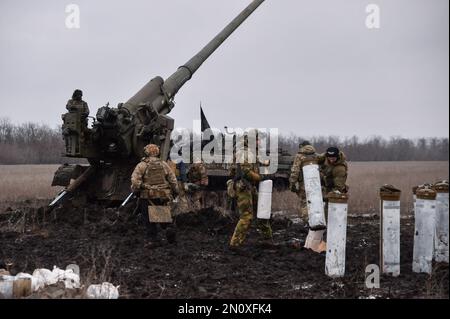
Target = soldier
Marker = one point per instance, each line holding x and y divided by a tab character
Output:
75	125
333	174
197	182
245	174
180	172
157	185
296	182
77	105
333	170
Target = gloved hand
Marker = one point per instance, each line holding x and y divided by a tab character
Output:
190	187
293	187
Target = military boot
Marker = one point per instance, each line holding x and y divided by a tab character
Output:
152	240
152	243
171	236
235	250
267	243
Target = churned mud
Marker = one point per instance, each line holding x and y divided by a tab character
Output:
110	247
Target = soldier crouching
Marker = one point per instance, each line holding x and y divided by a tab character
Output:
157	186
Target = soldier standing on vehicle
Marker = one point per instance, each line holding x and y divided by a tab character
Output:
75	121
296	182
157	185
245	176
77	105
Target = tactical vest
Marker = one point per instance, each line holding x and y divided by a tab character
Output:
327	171
194	174
155	176
77	106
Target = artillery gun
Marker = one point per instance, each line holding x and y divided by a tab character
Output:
114	144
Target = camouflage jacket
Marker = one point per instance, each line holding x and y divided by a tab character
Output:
245	171
197	174
152	177
173	166
77	107
306	152
334	176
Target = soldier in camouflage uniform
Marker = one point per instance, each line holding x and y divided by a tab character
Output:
296	182
77	105
180	172
197	182
333	173
245	173
80	111
157	185
333	170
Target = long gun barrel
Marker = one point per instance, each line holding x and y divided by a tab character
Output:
151	92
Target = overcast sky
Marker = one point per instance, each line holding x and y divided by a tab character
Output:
308	67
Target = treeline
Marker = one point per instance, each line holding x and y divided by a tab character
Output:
377	148
32	143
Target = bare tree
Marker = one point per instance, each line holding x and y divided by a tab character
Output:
32	143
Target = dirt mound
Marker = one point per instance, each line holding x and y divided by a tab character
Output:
57	291
109	246
206	221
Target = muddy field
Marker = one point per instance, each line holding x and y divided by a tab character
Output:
108	247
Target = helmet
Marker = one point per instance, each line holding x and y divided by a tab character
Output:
332	152
151	150
77	94
304	143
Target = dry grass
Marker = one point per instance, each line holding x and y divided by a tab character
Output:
365	179
21	182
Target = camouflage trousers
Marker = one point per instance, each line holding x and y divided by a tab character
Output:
151	229
303	204
246	203
198	200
